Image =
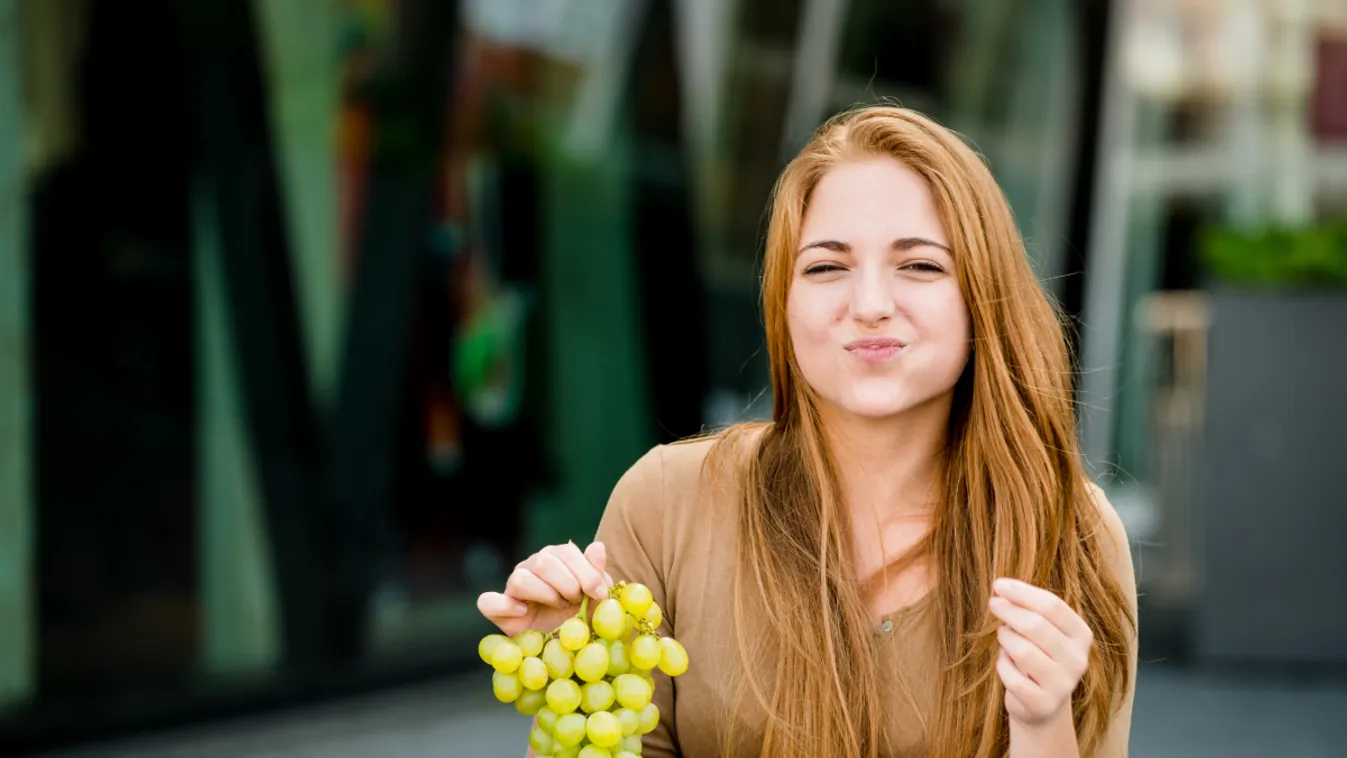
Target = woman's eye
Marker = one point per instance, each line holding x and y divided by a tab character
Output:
822	268
925	267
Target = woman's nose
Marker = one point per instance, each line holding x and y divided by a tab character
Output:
872	298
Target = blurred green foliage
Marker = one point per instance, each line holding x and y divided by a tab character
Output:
1286	258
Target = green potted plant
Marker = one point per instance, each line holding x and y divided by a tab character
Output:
1271	508
1278	257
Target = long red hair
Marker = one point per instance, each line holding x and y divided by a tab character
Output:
1014	499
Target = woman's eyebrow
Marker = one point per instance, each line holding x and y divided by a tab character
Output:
902	243
907	243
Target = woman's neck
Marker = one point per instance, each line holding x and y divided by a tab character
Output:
889	469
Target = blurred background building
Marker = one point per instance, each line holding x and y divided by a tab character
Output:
317	315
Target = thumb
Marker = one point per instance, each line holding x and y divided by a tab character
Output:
597	555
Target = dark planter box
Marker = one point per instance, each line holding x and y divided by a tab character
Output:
1273	513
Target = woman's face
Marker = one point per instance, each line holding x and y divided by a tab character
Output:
876	316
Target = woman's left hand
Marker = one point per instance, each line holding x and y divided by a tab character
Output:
1045	649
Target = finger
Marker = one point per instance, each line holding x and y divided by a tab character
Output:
597	555
1032	626
1028	657
523	585
1015	680
583	570
551	569
1045	603
495	605
1014	705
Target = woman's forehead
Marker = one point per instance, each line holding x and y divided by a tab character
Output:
873	201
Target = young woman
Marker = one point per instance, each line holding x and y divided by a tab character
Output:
909	559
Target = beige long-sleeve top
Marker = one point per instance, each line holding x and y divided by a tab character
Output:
665	527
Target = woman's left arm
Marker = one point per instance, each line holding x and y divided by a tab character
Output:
1045	648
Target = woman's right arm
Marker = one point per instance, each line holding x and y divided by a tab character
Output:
546	588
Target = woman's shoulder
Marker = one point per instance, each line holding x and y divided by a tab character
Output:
1115	531
687	464
674	501
694	463
1111	534
683	476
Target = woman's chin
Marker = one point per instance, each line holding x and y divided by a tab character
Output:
881	403
875	407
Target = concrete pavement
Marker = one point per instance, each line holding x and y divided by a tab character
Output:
1178	714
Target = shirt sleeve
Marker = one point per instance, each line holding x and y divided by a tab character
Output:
1119	556
632	531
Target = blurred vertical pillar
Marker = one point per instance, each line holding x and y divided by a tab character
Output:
237	165
599	398
814	71
1092	48
299	41
704	33
240	632
1291	198
16	525
1103	319
672	291
599	406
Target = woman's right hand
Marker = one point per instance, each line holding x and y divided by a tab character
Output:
546	588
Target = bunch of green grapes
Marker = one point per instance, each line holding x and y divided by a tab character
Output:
590	689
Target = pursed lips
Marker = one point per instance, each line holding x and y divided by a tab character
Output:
874	349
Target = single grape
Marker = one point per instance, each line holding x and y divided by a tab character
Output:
560	663
603	729
532	673
563	696
632	691
629	720
574	634
506	657
631	743
530	641
530	702
596	696
594	751
609	619
618	662
572	751
649	719
506	686
626	754
654	616
547	718
636	599
645	652
591	663
673	658
488	644
540	740
570	729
